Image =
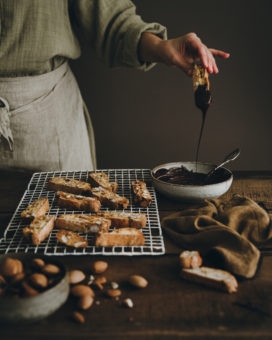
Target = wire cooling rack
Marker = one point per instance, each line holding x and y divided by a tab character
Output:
14	242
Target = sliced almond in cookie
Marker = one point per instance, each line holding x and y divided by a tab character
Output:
120	237
123	219
37	208
83	223
78	202
141	195
100	179
69	185
71	239
109	198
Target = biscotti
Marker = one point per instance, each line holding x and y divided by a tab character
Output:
140	193
78	202
215	278
39	229
83	223
69	185
109	198
100	179
71	239
124	219
120	237
190	259
36	209
200	77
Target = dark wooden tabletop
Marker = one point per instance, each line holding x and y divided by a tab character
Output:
169	307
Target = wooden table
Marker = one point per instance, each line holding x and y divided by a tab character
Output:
169	307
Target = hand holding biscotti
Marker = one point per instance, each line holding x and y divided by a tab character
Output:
180	52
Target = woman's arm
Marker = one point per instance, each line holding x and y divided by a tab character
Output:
180	52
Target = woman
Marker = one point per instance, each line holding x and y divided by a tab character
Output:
44	124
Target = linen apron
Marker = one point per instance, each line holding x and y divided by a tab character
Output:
44	123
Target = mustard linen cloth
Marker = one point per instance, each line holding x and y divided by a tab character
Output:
231	228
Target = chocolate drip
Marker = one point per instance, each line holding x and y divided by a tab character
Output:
202	100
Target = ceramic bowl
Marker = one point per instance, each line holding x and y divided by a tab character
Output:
33	308
192	193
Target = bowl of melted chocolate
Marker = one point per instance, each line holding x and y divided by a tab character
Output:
188	181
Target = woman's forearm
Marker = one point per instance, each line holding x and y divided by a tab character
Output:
149	47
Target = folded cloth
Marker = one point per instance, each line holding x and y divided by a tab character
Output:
232	229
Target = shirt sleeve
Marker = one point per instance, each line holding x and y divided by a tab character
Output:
114	30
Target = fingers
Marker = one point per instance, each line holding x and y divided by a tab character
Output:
204	54
213	67
218	53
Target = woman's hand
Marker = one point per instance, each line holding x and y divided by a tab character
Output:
180	52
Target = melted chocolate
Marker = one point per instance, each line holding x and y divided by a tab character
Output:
203	99
183	176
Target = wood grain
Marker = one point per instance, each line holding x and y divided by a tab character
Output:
169	308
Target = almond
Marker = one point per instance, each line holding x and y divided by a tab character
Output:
17	278
28	290
19	265
78	317
76	276
99	281
99	267
2	291
3	281
113	292
128	303
114	285
38	280
37	263
50	269
138	281
85	302
9	267
81	290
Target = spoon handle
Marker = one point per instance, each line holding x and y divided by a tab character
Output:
230	157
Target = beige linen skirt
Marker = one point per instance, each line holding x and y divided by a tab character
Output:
44	124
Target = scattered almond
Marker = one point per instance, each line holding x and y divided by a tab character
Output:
38	280
114	285
76	276
50	269
99	281
37	263
9	267
2	291
78	317
85	302
113	292
99	267
81	290
128	303
138	281
91	280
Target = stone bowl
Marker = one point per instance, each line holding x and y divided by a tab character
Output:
34	308
192	193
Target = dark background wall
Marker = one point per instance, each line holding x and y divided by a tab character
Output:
142	119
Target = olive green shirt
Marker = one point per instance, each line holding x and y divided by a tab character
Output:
38	35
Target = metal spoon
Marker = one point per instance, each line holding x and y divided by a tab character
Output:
230	157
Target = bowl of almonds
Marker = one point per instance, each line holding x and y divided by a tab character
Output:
31	288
